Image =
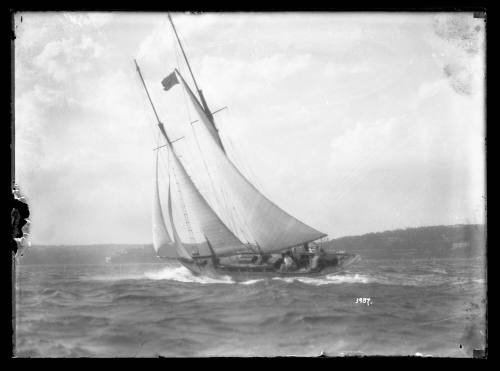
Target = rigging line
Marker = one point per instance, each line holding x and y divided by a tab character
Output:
175	48
183	53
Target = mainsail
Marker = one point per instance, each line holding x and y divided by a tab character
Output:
162	243
272	228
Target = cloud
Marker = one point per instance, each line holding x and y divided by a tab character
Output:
79	121
429	89
93	19
417	166
68	57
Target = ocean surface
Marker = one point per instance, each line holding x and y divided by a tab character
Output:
415	307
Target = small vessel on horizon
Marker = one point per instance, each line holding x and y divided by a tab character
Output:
224	225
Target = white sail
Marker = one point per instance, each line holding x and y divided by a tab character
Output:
212	227
271	227
162	242
179	247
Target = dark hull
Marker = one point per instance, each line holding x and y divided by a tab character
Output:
330	263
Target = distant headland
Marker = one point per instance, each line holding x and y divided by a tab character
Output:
455	241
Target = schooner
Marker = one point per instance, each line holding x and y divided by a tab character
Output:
224	224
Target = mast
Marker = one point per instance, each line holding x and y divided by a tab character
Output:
200	93
160	124
184	54
180	249
211	127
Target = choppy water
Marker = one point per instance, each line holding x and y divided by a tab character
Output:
423	307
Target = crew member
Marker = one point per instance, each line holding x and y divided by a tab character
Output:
288	263
258	260
315	259
314	262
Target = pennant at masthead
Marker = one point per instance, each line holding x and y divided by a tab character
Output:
169	81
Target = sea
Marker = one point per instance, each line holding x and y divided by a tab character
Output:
424	307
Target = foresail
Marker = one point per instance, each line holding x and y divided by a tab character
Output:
213	228
179	247
272	228
162	242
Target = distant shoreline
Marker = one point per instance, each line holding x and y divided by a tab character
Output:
332	239
432	242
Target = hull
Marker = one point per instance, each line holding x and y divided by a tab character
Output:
329	263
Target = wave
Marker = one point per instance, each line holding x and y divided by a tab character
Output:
328	280
118	277
381	279
251	282
179	273
182	274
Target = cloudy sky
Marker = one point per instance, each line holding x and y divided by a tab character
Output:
354	123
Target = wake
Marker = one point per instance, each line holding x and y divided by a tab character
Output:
179	273
329	280
182	274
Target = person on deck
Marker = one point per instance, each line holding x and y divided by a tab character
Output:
315	259
314	263
299	256
288	263
258	260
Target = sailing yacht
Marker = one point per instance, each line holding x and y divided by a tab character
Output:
224	225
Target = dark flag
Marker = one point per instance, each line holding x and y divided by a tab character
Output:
169	81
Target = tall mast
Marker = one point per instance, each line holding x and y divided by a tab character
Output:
200	93
160	124
162	129
184	54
